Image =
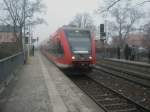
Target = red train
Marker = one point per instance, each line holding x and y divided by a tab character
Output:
71	47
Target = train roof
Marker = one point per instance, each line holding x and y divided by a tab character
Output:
69	28
74	28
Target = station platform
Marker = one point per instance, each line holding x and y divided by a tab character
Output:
39	86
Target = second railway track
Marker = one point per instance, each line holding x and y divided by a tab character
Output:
106	98
134	72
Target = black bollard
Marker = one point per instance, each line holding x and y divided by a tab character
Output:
33	50
118	52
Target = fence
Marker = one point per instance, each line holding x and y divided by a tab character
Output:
9	64
8	49
139	55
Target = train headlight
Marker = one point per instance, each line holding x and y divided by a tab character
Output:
73	57
90	57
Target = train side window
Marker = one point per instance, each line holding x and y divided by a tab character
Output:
55	47
51	47
60	49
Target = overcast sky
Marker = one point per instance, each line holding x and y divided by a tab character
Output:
61	12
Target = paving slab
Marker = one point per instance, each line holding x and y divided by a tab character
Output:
40	86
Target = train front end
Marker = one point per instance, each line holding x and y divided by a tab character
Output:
81	46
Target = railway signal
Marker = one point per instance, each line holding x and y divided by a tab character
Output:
102	32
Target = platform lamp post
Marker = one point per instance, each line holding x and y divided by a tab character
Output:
24	38
37	39
28	44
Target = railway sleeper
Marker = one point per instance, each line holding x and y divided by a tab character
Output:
126	110
118	106
95	90
112	101
108	96
103	95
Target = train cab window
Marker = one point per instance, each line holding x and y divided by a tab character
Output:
79	40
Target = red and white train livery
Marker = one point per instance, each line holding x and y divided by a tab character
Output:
71	47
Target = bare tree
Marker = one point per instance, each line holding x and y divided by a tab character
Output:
124	20
19	12
109	4
83	20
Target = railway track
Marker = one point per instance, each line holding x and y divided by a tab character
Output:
106	98
133	72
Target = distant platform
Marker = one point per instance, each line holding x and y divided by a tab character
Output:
130	62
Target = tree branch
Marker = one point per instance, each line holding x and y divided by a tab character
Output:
112	4
143	2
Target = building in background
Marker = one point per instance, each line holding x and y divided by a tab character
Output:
8	34
10	42
136	39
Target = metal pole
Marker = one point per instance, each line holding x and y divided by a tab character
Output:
26	53
24	14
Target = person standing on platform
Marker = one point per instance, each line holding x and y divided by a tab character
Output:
126	52
33	50
149	55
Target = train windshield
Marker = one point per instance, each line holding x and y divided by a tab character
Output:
79	40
